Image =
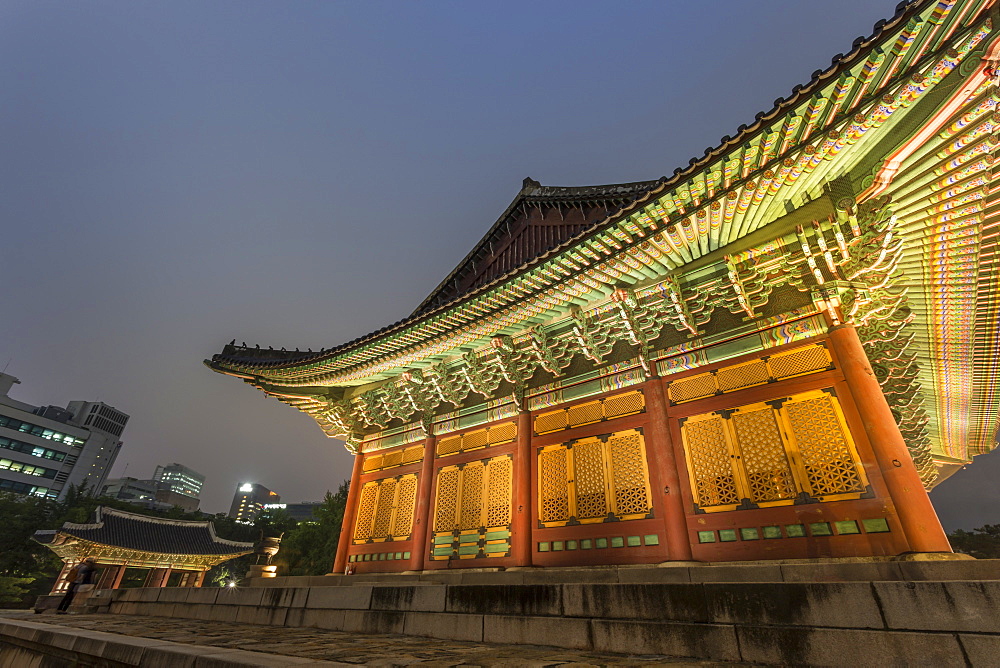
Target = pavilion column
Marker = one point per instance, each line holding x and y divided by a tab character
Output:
117	582
421	517
920	523
523	514
58	587
166	576
199	579
350	511
666	472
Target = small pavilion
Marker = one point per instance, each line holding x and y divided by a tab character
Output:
137	550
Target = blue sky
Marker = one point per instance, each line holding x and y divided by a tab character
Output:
177	174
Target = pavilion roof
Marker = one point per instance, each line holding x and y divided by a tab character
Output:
925	25
909	112
120	529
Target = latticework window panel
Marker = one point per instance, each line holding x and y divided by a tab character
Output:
621	405
629	474
413	455
589	477
366	511
594	480
828	456
472	496
480	438
447	499
710	461
807	359
738	376
608	408
694	387
770	453
551	421
796	362
768	475
582	414
383	509
390	460
553	491
499	493
405	497
371	463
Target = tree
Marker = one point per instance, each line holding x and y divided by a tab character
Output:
981	543
309	548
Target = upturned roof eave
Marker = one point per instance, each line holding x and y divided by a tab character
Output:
884	31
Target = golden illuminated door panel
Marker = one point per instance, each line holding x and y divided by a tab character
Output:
597	479
472	510
385	510
772	453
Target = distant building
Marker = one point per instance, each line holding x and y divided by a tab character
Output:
133	490
179	478
300	512
250	500
46	449
179	485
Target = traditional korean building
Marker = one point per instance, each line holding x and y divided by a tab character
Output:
163	552
772	353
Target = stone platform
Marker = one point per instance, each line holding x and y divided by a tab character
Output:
941	613
126	640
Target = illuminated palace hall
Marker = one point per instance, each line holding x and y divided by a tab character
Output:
772	353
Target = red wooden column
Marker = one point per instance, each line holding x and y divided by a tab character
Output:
119	575
58	587
666	469
199	580
913	506
350	511
421	517
523	514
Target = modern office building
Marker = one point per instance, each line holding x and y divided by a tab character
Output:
133	490
179	479
250	500
46	449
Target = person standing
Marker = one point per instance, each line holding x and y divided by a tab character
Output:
82	573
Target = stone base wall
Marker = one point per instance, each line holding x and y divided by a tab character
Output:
950	623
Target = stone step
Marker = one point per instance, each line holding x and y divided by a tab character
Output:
814	623
861	570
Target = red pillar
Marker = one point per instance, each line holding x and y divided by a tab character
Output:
60	584
421	517
913	506
117	582
666	469
199	580
523	513
350	511
166	576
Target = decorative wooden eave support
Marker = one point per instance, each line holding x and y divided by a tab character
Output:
987	70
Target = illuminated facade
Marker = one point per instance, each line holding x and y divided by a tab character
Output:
771	354
249	501
45	450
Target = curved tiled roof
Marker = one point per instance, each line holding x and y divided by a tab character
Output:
632	194
131	531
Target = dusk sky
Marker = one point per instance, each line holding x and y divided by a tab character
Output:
297	174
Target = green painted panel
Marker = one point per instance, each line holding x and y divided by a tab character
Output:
617	541
498	547
442	551
772	532
820	529
847	527
652	539
706	536
497	535
795	530
877	525
633	541
441	540
468	549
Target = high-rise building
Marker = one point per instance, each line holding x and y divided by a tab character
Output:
46	449
179	479
250	500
